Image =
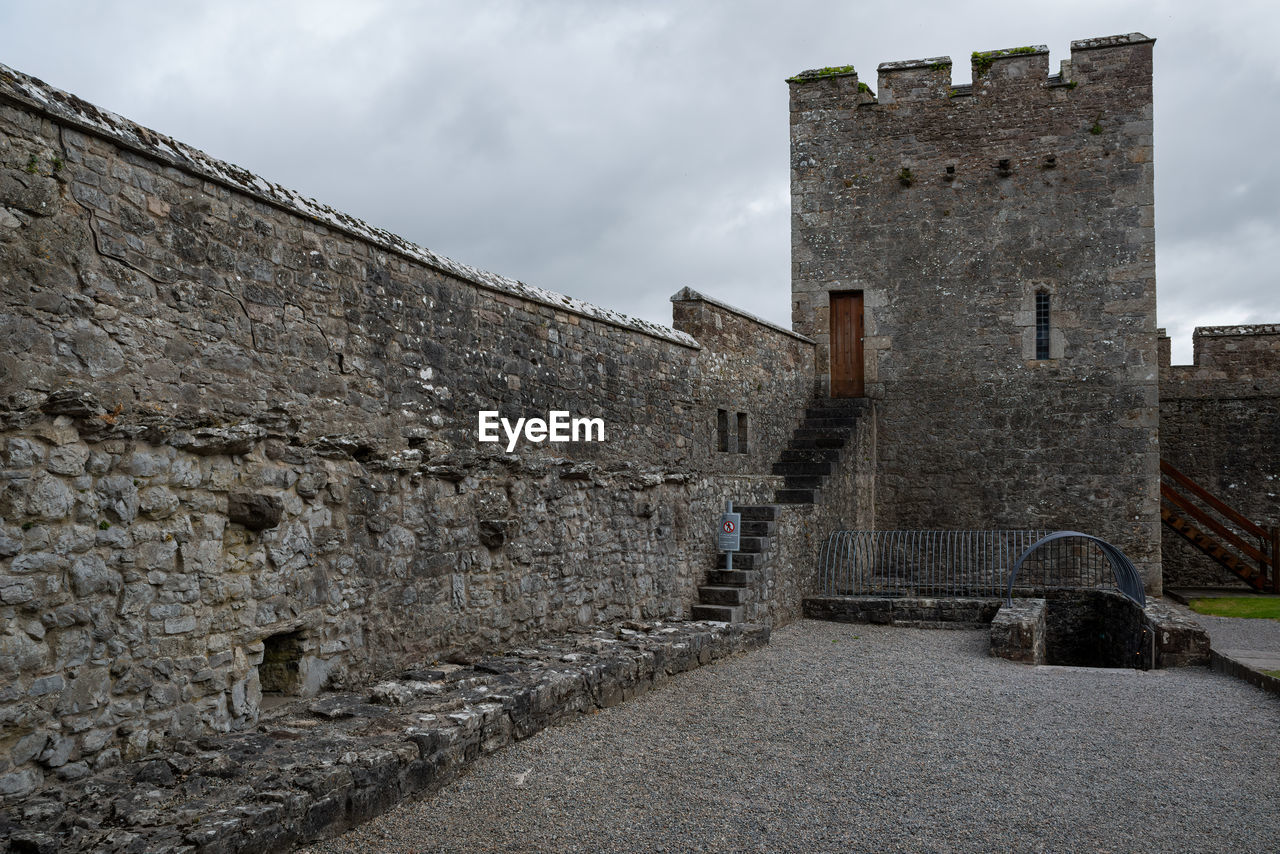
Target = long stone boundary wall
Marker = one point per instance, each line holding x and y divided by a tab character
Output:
1220	425
239	455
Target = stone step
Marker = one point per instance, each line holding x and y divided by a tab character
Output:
830	412
819	439
754	545
810	455
854	405
841	433
732	577
714	594
741	560
793	467
757	512
811	423
722	613
758	529
795	496
796	481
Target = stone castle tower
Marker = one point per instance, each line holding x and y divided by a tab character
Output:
979	261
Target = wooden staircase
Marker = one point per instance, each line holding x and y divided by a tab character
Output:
1219	531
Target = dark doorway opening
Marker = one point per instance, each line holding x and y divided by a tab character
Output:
278	674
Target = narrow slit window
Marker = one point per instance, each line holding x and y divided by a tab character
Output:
742	432
1042	325
722	430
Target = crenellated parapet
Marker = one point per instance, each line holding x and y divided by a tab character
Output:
995	74
1246	355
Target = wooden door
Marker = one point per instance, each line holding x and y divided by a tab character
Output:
846	344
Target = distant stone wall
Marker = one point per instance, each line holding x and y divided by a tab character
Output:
1220	425
950	207
238	446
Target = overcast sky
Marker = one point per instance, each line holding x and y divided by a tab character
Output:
618	151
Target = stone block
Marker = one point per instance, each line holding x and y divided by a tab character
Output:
1018	631
256	511
179	625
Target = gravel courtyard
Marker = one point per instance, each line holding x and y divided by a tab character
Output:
854	737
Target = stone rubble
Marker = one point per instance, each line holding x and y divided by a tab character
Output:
313	768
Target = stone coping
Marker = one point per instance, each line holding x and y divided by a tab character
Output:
1110	41
910	611
688	294
317	767
70	111
1239	329
906	64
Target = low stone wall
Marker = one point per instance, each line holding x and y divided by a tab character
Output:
318	767
1097	628
1228	665
902	611
1179	640
1018	631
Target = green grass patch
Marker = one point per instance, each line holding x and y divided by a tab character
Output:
1251	607
1275	674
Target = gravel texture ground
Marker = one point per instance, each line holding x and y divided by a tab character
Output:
1236	633
852	737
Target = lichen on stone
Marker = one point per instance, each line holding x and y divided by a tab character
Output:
818	73
982	60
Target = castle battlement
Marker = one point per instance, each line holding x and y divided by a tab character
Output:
995	73
985	256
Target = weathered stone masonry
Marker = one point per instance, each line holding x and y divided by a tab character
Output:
949	208
239	446
1220	425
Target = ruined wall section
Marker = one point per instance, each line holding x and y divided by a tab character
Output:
239	452
1220	425
950	207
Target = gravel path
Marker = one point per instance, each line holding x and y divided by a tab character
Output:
1237	633
843	737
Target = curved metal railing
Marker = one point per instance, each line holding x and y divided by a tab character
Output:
960	563
1126	575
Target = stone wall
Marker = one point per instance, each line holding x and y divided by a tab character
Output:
1097	628
239	451
950	208
1220	425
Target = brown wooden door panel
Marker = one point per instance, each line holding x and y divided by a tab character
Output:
846	345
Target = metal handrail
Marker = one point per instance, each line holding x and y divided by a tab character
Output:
1128	580
1264	556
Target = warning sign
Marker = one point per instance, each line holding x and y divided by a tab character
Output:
729	538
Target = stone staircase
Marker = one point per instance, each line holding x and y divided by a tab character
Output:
727	592
815	448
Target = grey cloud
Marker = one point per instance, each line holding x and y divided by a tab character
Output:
619	151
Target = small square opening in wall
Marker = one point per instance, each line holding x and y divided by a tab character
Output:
742	432
278	673
722	430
